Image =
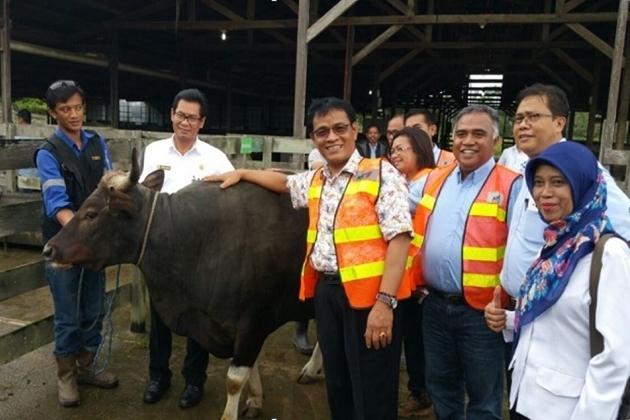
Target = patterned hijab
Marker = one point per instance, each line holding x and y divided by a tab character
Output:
566	240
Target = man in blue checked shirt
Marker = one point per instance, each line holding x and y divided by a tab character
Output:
70	163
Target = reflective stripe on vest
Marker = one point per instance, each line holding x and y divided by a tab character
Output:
485	233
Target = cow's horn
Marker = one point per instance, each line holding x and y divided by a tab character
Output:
134	174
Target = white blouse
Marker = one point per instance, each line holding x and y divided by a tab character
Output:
553	374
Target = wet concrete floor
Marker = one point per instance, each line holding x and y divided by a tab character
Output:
28	386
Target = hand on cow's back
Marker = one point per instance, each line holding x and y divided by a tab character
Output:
226	179
271	180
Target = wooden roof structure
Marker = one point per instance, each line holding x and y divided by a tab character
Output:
383	55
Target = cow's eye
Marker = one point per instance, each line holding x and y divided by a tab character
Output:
91	214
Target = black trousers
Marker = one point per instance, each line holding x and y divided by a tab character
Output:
361	383
160	344
410	312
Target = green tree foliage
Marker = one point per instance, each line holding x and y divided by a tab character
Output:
35	105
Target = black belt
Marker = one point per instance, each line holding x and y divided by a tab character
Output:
452	298
330	277
511	303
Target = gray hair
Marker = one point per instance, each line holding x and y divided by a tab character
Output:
483	109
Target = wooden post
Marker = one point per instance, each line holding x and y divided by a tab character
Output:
113	81
624	102
347	67
301	56
592	110
608	130
6	62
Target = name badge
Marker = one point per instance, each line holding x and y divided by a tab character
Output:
97	157
494	197
164	167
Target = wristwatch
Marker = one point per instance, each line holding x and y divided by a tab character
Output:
387	299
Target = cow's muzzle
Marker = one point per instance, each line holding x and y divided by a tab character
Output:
51	255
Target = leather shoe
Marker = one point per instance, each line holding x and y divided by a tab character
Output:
190	396
154	391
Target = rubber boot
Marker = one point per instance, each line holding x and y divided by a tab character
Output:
300	339
86	376
68	392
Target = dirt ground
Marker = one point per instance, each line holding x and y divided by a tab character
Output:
28	387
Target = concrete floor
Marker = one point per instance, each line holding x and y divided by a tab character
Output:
28	387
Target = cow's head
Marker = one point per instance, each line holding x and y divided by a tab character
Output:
109	226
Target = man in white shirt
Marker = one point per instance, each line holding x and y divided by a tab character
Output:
184	159
514	159
539	122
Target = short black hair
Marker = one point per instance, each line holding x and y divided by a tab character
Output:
421	144
429	117
24	115
322	106
192	95
372	124
557	100
61	91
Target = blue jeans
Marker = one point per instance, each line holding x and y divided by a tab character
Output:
64	286
462	354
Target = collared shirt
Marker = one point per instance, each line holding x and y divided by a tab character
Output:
442	248
54	193
391	206
180	169
525	238
373	148
514	159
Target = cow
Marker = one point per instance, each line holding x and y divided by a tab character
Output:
221	266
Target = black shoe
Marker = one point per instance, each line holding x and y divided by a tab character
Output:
300	341
154	391
190	396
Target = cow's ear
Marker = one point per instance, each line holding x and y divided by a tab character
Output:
154	180
120	202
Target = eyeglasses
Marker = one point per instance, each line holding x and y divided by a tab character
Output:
398	150
192	119
323	132
529	116
66	109
62	83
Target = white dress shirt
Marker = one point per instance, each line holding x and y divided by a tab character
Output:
553	374
514	159
181	170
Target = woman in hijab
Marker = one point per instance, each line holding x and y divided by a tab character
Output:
554	376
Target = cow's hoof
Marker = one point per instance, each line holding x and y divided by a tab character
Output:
251	412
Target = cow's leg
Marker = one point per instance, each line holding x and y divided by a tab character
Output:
254	402
312	370
237	377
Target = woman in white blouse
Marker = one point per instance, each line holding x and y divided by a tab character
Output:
554	376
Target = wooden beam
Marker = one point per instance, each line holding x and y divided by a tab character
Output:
398	64
566	86
113	81
592	39
624	104
415	32
329	17
545	27
375	43
592	7
320	25
608	129
594	100
347	64
575	66
250	13
5	64
301	58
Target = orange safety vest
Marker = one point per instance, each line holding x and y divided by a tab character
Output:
445	158
414	249
359	243
485	233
